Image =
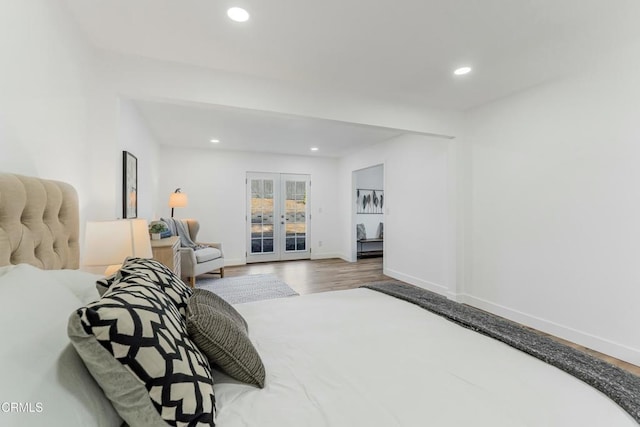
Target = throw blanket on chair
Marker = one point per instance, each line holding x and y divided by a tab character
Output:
180	228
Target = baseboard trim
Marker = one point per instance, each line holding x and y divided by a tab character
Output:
242	261
327	255
603	345
234	261
425	284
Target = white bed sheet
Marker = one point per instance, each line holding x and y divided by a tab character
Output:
39	369
361	358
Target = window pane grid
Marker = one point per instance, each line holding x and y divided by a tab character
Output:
261	216
295	216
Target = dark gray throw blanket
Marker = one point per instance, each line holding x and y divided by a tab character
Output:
621	386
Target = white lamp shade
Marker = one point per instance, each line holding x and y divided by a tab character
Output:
178	200
110	242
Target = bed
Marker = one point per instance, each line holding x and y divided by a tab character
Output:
345	358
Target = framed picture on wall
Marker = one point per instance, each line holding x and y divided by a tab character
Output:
129	185
369	201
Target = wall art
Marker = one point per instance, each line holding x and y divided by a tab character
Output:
129	185
369	201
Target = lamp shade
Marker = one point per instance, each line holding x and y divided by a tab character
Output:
178	200
110	242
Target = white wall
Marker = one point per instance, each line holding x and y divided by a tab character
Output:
554	229
116	125
45	83
135	138
372	179
214	181
418	231
58	118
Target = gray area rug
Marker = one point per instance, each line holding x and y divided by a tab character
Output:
254	287
621	386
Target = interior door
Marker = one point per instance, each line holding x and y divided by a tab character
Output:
277	217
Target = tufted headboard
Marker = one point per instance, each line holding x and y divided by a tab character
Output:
39	223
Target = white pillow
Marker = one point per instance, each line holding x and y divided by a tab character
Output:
41	371
81	283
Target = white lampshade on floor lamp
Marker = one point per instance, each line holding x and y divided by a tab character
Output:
177	200
111	242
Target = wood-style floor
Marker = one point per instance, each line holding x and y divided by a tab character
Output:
307	277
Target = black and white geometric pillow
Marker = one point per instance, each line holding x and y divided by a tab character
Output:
103	285
161	275
135	344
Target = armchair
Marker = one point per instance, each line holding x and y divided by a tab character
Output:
200	261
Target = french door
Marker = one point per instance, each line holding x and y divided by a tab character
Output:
277	217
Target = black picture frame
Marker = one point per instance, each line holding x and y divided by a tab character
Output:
129	185
369	201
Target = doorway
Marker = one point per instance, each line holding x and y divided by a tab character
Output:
369	198
277	217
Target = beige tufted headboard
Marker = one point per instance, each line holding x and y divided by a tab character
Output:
39	223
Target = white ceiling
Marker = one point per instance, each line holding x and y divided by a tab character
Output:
189	125
401	50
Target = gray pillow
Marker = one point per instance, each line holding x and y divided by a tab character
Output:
220	332
361	232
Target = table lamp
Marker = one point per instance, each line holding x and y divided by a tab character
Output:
111	242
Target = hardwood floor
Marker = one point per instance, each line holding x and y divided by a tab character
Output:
307	277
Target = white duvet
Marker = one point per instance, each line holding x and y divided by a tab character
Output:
360	358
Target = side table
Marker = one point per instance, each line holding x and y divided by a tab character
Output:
167	251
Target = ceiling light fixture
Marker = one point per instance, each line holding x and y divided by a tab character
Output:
314	148
214	141
462	71
238	14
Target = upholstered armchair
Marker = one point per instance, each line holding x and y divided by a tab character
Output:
200	261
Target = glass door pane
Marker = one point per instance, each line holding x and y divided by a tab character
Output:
295	190
295	216
262	217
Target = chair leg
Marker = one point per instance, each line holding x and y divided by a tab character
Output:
221	272
192	281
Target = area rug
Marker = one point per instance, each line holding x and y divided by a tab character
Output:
241	289
621	386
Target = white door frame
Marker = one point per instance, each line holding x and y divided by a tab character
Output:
275	214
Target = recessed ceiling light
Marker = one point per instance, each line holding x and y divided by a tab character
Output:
462	70
214	141
238	14
314	148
